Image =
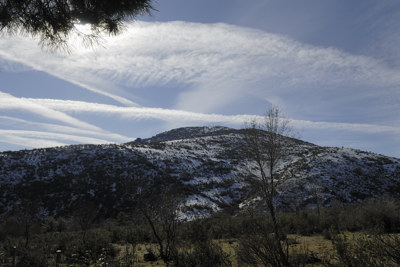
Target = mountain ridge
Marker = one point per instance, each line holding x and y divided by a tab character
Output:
205	162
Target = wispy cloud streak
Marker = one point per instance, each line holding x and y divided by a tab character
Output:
207	67
44	139
169	115
70	131
186	73
9	102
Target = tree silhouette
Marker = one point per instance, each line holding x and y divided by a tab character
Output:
54	20
266	145
161	214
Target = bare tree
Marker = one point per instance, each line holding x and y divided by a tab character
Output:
266	145
158	199
84	214
161	213
28	215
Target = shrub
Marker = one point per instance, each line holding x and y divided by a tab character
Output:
376	250
149	256
379	215
95	245
203	254
32	258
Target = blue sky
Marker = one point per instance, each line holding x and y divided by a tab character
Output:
333	67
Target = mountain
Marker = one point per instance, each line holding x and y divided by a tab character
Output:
204	163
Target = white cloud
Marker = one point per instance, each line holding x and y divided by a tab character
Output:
208	67
130	113
354	127
12	66
15	139
49	134
169	115
70	131
9	102
36	139
204	70
24	52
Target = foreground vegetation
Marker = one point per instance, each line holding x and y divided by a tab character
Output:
355	235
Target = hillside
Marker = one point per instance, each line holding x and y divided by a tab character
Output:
205	163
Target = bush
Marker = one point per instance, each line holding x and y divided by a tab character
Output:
376	250
149	256
203	254
95	245
32	258
379	215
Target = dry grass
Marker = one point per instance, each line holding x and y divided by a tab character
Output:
317	246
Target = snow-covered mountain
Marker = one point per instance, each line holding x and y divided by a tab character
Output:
206	164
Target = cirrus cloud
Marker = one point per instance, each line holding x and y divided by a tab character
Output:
181	73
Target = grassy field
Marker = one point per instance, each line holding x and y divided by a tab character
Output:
317	250
317	246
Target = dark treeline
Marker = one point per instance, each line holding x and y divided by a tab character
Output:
83	240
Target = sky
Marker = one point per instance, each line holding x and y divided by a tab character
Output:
332	66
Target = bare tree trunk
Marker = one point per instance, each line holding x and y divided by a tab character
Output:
161	215
266	146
